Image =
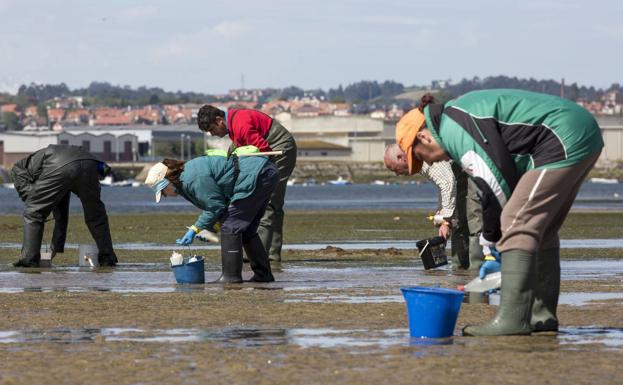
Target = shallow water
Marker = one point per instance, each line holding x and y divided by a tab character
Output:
381	277
351	197
608	338
347	245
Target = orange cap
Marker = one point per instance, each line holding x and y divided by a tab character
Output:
406	129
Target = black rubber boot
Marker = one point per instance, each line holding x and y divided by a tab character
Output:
514	313
231	258
259	260
475	253
31	246
546	291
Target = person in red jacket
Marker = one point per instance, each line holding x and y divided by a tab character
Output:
250	127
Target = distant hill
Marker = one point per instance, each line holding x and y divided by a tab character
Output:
102	93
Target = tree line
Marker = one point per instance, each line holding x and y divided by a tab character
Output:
106	94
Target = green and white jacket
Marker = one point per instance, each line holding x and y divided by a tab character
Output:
498	135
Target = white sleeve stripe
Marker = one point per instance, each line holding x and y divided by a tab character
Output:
530	198
476	166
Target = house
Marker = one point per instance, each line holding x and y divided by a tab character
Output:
179	114
150	115
115	146
250	95
71	102
30	111
56	114
378	114
306	110
145	141
76	117
321	150
275	107
16	145
365	137
110	117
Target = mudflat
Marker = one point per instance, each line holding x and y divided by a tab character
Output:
333	316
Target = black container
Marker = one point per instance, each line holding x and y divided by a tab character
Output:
432	252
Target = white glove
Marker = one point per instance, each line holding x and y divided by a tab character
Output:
207	236
486	245
438	220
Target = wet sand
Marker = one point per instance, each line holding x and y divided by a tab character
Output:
334	316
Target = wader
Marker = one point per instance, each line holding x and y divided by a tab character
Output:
270	229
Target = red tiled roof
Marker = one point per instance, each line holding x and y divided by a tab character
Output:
56	114
9	107
112	120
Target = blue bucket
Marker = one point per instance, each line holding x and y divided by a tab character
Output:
432	311
190	272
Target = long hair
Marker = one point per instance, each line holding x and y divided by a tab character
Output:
207	115
176	167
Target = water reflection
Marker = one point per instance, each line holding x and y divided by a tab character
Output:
570	337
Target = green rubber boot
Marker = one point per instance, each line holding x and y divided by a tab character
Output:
546	291
513	316
475	253
231	259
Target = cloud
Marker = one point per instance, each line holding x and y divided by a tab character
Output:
232	29
138	13
190	44
396	20
610	31
6	5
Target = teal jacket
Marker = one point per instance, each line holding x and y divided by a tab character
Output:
208	183
498	135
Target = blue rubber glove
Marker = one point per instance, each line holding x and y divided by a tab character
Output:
187	239
489	267
492	261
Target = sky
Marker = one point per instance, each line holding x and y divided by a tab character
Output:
210	46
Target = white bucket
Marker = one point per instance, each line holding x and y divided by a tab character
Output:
87	255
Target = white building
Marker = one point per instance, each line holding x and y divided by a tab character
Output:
15	145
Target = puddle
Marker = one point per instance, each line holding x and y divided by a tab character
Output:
612	338
582	299
314	298
380	244
246	337
591	269
293	277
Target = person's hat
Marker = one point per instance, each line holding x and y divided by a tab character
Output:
156	179
406	130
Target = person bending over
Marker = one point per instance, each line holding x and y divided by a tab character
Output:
44	181
529	154
233	191
250	127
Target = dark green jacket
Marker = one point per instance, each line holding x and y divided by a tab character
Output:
208	183
42	163
498	135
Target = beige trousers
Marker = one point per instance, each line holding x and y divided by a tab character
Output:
539	205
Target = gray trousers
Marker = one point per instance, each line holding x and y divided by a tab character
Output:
539	205
271	224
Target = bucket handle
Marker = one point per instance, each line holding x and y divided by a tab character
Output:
424	248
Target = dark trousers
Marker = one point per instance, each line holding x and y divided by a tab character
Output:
466	249
243	216
51	192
